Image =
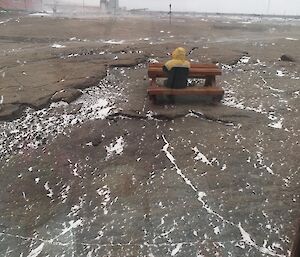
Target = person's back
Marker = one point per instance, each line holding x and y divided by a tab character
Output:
177	69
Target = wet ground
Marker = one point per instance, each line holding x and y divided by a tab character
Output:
111	174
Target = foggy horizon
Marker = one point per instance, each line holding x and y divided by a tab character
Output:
277	7
281	7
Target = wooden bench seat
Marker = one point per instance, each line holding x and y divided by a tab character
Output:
196	90
201	71
216	93
196	71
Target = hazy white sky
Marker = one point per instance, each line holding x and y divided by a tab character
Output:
291	7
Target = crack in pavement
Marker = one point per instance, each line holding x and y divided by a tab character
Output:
246	237
168	117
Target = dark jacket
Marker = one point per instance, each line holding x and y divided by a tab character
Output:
177	69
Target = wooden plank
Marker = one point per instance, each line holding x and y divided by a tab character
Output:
197	70
193	72
192	68
193	65
213	91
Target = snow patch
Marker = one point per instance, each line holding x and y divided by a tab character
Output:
277	125
245	59
105	193
37	127
176	249
279	73
115	148
292	39
200	156
40	14
217	230
248	240
111	41
57	46
46	186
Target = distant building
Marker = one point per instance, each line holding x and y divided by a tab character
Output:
109	5
113	5
28	5
103	5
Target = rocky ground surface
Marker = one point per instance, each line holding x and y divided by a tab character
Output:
90	167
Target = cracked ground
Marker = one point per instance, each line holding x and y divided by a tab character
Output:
90	167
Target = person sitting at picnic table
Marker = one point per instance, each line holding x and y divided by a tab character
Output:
177	69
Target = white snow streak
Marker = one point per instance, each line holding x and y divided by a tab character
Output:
105	193
58	46
200	156
111	41
36	251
